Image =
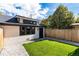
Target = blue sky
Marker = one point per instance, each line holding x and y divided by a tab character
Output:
73	7
35	10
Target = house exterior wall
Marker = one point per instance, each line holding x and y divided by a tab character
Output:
43	32
31	36
37	32
14	31
21	18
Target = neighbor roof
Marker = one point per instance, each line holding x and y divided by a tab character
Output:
75	24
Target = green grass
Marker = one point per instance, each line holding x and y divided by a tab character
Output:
50	48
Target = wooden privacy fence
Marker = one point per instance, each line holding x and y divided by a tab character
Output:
67	34
1	38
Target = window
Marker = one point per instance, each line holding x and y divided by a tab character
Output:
27	30
22	30
29	22
34	23
33	30
18	19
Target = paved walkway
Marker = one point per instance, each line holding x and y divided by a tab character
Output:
65	41
13	47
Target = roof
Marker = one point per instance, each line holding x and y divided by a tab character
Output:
75	24
4	18
18	24
13	20
26	17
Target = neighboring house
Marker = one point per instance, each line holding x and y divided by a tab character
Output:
75	25
20	26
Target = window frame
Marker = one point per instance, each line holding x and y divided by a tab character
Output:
25	32
30	22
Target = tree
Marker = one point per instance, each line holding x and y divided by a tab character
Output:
77	21
62	18
44	22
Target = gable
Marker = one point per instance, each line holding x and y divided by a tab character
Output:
13	20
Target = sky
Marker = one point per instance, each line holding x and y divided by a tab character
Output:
35	10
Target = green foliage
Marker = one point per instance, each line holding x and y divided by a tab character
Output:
44	22
77	21
74	53
62	18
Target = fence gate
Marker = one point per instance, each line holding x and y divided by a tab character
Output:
41	32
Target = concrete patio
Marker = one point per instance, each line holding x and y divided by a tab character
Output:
13	47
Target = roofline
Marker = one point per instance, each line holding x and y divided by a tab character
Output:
75	24
26	17
18	24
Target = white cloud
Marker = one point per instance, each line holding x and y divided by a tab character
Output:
54	9
28	9
7	7
44	11
19	1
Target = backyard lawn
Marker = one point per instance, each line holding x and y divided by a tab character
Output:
50	48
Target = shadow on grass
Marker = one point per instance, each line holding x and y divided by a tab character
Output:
36	40
74	53
65	42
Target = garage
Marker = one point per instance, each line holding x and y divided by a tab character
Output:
11	31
